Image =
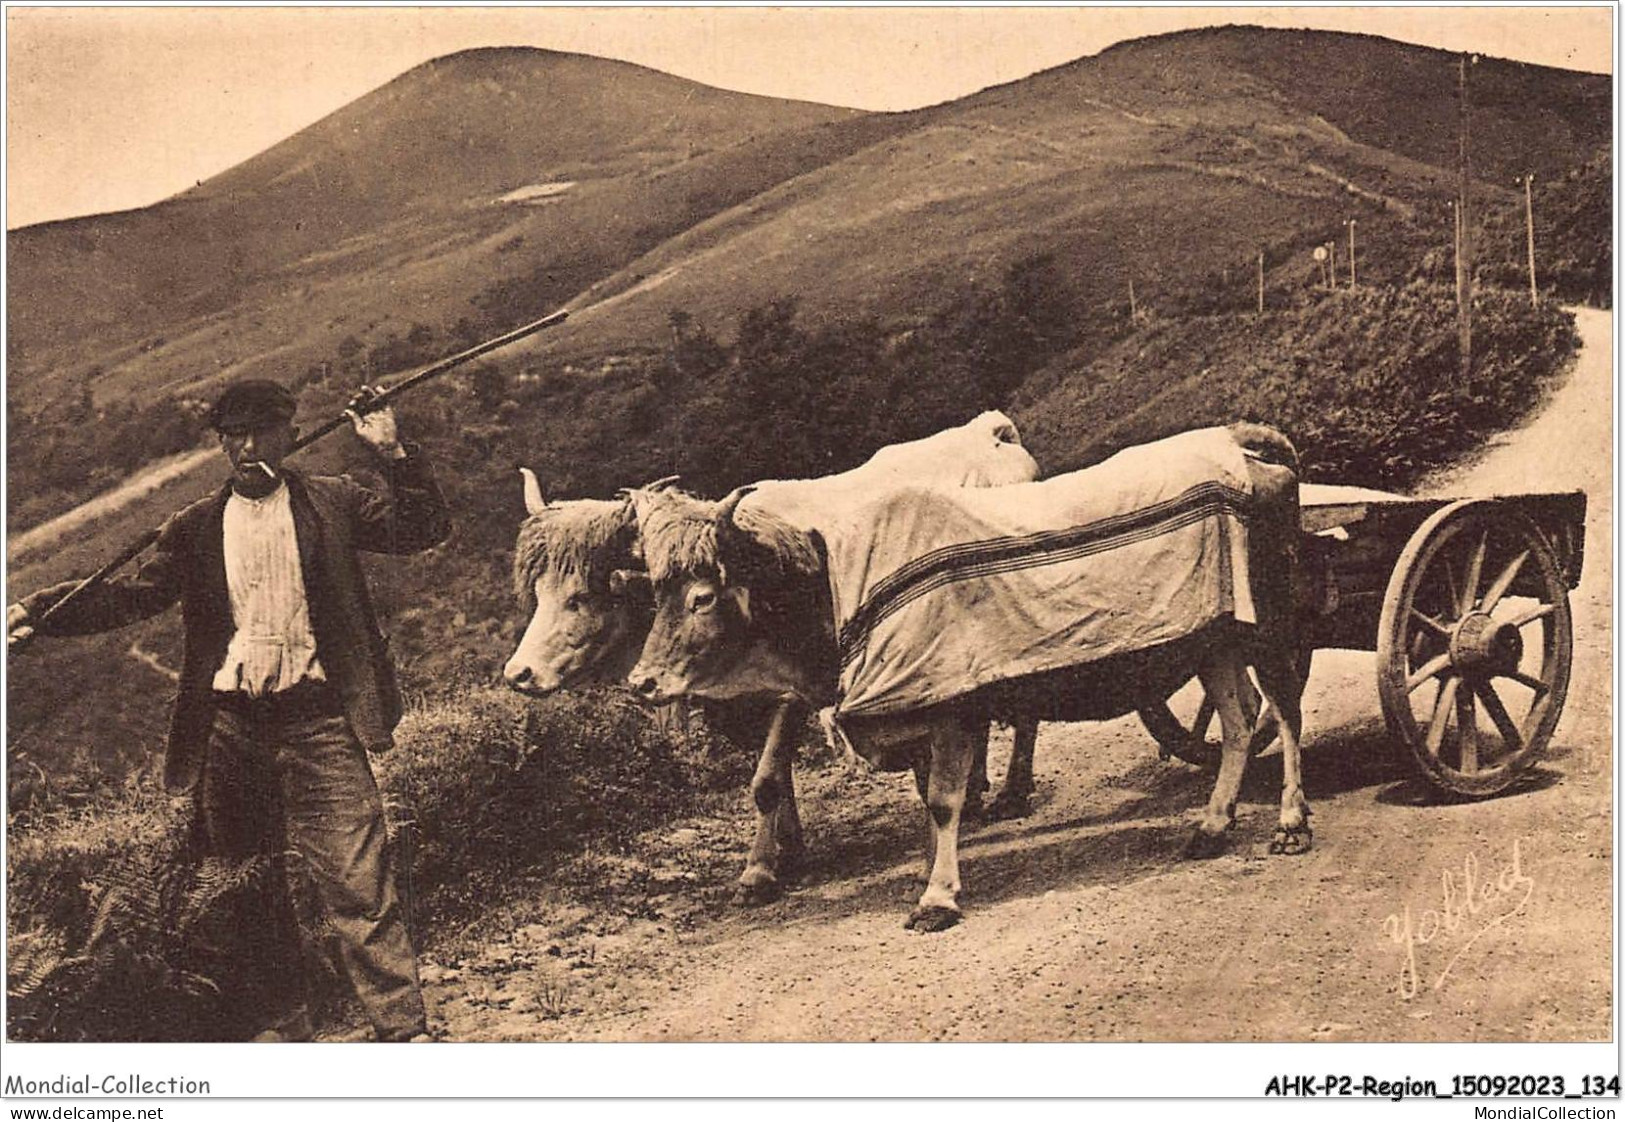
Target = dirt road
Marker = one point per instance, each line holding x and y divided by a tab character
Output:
1082	922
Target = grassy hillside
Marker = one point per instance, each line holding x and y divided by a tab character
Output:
413	197
485	189
1524	118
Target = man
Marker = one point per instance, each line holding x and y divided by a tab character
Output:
286	685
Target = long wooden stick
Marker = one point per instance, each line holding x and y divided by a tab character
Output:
146	540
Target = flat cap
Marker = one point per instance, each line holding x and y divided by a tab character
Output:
252	403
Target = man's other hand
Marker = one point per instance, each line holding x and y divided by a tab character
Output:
19	626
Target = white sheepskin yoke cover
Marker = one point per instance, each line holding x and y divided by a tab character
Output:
939	592
983	452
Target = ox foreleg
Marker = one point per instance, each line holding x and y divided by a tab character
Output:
952	756
787	819
1221	678
778	839
922	784
1283	688
1015	797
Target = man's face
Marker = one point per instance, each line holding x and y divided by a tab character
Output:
249	445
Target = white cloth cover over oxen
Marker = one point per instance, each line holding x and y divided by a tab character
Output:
937	593
985	451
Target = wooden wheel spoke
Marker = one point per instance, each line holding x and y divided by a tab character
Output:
1539	611
1498	714
1442	707
1541	688
1429	669
1454	588
1475	570
1503	582
1431	623
1420	642
1467	730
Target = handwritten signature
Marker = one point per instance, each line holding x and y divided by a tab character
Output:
1465	903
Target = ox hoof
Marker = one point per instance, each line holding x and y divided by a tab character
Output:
1203	844
757	890
1008	806
932	917
792	860
1292	840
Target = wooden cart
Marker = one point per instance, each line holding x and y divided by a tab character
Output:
1464	601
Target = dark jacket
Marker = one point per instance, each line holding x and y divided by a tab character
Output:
333	518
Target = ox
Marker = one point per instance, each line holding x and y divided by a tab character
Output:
744	604
577	570
587	624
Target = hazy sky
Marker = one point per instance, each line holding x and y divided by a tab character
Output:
115	107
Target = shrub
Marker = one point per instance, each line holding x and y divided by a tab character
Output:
492	785
116	934
110	928
1367	383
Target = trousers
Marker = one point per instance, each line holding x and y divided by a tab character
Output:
289	782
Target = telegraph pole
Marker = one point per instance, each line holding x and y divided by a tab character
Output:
1455	245
1529	211
1133	309
1261	282
1352	281
1464	274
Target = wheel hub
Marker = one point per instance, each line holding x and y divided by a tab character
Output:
1481	644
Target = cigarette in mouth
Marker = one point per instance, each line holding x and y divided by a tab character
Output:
263	466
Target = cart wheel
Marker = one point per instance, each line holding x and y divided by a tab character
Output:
1473	647
1186	737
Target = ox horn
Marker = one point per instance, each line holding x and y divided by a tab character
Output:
731	501
534	503
663	483
728	532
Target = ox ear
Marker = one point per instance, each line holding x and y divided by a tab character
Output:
741	599
622	581
534	503
820	547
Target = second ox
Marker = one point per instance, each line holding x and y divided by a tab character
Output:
924	613
578	570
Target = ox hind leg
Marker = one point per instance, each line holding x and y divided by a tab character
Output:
942	778
976	787
1282	685
1015	797
778	844
1221	678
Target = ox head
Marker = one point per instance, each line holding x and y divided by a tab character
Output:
577	571
738	612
